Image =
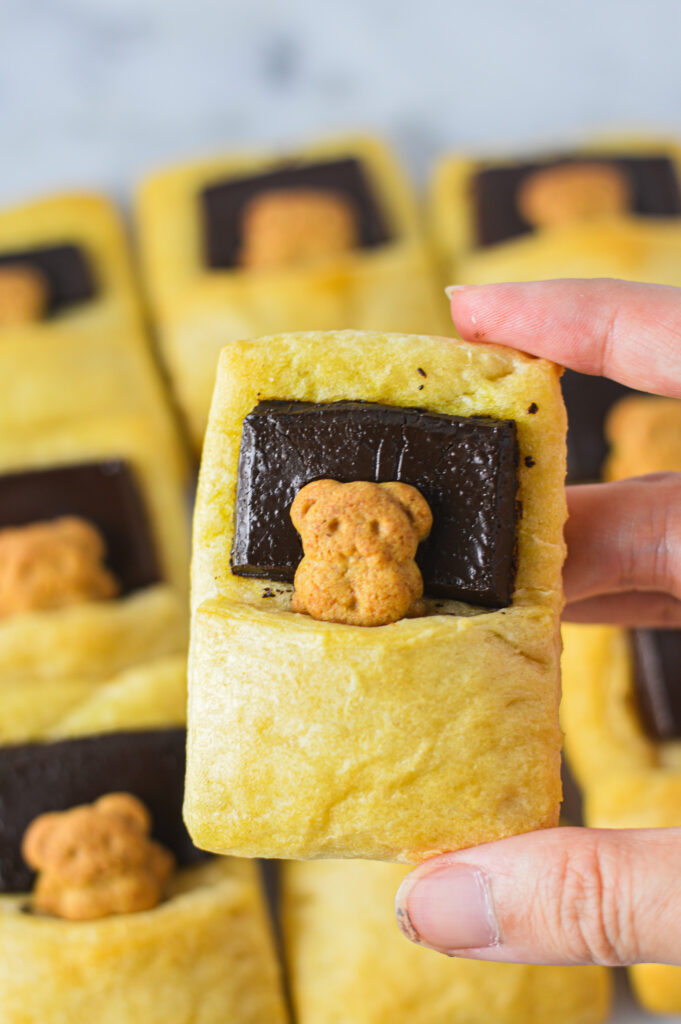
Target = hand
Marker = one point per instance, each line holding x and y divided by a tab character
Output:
577	896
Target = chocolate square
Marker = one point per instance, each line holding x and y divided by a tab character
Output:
40	777
222	204
657	681
653	181
465	467
65	268
104	493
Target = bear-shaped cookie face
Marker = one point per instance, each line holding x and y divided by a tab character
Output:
96	860
572	192
23	295
283	227
52	564
359	540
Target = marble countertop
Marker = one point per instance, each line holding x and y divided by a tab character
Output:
97	92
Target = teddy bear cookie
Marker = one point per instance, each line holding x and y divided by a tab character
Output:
23	295
53	565
377	554
96	860
360	541
239	246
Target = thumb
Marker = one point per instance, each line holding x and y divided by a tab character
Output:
563	896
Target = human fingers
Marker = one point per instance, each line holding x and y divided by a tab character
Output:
624	538
560	896
618	329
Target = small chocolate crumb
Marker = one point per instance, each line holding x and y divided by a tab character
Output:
533	409
268	592
420	387
421	371
529	461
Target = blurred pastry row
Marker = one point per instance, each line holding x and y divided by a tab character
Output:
96	354
325	237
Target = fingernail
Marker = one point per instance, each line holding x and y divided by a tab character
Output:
448	909
451	288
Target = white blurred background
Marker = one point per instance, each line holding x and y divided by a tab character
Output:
96	92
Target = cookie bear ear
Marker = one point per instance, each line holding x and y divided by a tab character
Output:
127	807
414	504
308	496
36	840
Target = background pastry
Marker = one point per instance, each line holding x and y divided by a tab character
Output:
80	349
235	247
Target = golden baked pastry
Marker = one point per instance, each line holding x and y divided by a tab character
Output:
48	657
618	243
198	308
87	353
456	711
204	956
344	949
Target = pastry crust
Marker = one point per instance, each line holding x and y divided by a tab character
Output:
457	711
344	949
198	309
624	245
90	359
204	956
52	664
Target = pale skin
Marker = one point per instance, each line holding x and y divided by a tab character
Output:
578	896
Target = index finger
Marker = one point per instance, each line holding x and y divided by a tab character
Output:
628	332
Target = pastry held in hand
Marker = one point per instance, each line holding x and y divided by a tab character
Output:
360	540
97	860
309	738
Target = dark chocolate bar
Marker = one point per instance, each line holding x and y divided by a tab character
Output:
465	467
223	203
653	181
66	269
657	681
40	777
104	493
588	401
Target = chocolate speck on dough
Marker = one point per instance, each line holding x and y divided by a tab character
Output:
420	387
533	409
529	461
268	592
420	370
